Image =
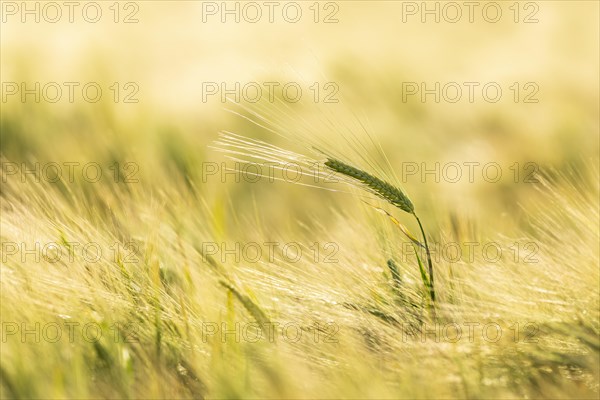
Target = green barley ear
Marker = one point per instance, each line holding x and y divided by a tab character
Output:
379	187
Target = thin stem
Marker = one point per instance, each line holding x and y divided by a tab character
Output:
431	289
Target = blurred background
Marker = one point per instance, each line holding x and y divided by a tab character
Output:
434	82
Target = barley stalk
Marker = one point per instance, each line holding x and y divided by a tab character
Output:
393	195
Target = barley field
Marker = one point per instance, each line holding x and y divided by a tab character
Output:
300	200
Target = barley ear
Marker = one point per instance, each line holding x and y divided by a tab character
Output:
379	187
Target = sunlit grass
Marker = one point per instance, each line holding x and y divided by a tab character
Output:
157	298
